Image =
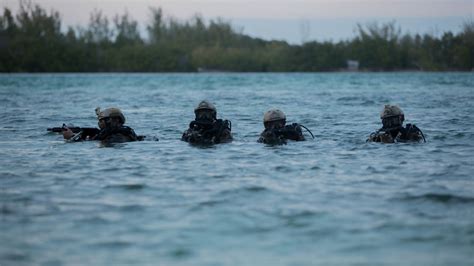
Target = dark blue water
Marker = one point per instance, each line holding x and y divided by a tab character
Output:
335	200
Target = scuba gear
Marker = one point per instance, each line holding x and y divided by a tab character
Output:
410	133
392	122
205	110
206	132
272	137
206	128
121	134
292	132
222	125
280	135
421	132
274	124
206	115
307	130
398	134
392	127
276	132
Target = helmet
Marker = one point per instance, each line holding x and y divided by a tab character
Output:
391	110
205	105
205	110
110	112
273	115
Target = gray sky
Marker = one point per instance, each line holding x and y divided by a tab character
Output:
290	20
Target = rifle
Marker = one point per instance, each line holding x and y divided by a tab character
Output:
73	129
79	131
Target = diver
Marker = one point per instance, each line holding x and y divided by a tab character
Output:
277	132
206	128
111	128
392	128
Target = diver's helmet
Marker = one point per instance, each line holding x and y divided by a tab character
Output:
391	110
392	116
273	115
203	107
110	113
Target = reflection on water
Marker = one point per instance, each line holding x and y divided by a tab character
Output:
332	200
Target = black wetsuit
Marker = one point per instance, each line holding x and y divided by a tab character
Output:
399	134
109	135
208	132
281	135
121	134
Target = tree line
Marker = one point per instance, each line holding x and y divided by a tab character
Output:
32	41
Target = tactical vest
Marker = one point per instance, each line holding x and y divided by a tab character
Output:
281	135
400	134
205	132
121	134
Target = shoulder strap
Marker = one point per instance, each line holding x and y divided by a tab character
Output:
417	129
221	125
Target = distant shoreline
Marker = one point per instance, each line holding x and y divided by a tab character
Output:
33	41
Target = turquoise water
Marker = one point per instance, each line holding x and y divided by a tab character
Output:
335	200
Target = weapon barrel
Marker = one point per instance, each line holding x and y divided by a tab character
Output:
73	129
54	129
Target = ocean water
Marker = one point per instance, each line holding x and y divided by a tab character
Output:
334	200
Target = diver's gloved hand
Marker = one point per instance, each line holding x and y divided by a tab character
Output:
386	138
274	136
67	132
381	136
195	137
292	131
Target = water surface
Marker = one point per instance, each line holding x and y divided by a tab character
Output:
329	201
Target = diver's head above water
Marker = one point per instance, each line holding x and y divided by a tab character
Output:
274	118
392	116
205	111
110	118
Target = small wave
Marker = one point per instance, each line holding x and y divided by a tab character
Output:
283	169
440	198
5	210
113	244
181	253
440	137
367	103
423	238
15	256
255	189
93	220
459	135
209	203
128	186
301	214
347	98
251	189
132	208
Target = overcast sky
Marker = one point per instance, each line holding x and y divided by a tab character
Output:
290	20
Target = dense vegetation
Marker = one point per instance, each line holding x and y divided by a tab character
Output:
32	41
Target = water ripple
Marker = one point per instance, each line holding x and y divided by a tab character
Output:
334	200
440	198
